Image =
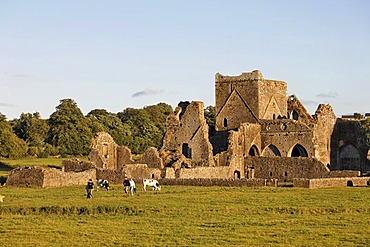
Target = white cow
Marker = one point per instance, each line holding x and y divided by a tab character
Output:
1	198
151	182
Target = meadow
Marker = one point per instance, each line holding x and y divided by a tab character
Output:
186	216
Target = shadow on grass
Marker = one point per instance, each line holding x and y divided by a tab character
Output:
5	167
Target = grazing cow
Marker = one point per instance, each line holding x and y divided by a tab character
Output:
1	198
102	184
151	182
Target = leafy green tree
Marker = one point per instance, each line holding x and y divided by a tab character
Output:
32	129
210	115
101	120
69	129
158	114
10	145
144	132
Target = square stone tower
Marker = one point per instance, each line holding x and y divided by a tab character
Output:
248	98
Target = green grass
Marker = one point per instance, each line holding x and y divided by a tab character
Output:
186	216
30	161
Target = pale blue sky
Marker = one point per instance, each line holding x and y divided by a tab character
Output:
117	54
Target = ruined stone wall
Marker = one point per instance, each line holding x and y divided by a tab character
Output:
141	171
323	130
75	165
331	182
113	176
124	156
284	135
272	95
206	172
26	176
57	178
216	182
151	158
239	90
348	146
285	168
234	112
48	177
296	110
188	136
104	151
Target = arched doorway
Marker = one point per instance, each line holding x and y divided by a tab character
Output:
298	151
253	151
271	151
237	174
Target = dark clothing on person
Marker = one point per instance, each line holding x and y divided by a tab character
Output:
126	185
89	188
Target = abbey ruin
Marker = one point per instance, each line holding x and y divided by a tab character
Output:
260	133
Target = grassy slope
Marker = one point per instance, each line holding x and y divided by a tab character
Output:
186	216
7	164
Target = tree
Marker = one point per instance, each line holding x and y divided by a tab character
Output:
101	120
210	115
144	132
10	145
32	129
69	130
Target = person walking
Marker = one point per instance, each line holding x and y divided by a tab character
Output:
126	185
132	187
89	188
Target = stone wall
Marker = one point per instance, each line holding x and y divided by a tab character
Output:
224	172
106	154
272	102
217	182
236	99
349	150
151	158
141	171
47	177
323	130
285	168
104	150
26	176
113	176
331	182
75	165
187	135
57	178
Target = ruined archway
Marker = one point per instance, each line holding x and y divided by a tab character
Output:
253	151
271	151
298	151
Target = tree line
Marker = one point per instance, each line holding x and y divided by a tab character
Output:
68	132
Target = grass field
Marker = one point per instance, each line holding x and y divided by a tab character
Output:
186	216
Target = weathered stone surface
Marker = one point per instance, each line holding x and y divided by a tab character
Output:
187	135
106	154
151	158
75	165
48	177
331	182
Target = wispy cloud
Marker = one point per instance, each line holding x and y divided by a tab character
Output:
146	92
17	75
328	95
6	105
